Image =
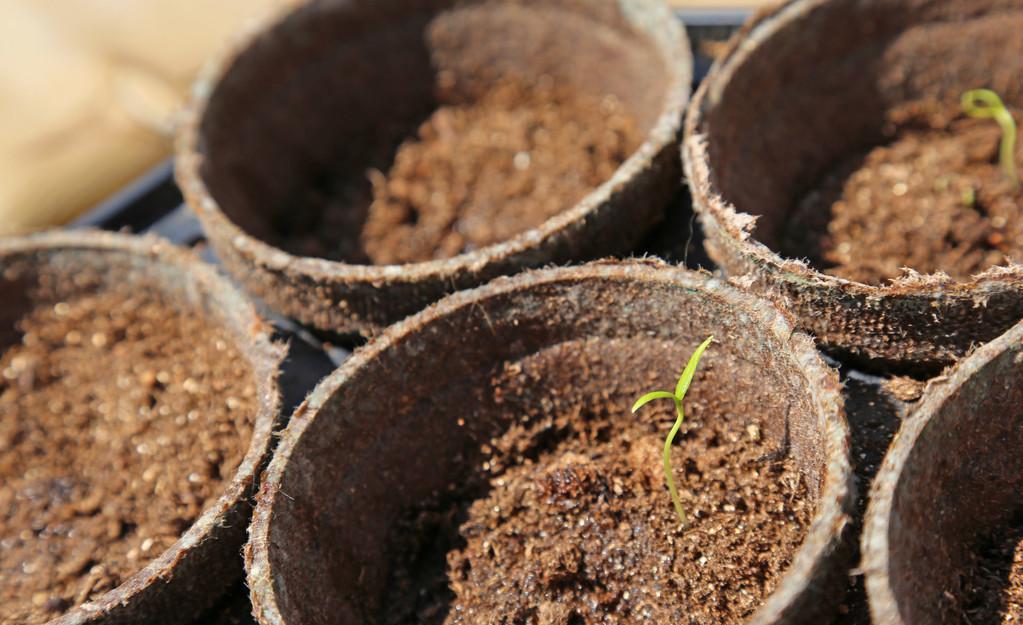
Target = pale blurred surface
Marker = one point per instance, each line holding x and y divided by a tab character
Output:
88	91
719	4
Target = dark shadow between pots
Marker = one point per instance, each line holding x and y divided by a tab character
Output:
874	416
678	237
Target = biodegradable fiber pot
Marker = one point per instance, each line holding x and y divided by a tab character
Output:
57	271
808	84
951	479
390	429
329	82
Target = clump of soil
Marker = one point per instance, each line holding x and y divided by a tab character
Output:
994	594
569	523
475	174
120	417
933	199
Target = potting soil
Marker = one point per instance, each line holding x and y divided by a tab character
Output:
473	174
933	199
120	419
569	521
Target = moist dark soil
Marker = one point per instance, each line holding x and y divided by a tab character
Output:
120	418
932	199
568	522
473	174
994	593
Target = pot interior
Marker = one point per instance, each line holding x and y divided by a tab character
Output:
329	93
411	421
829	83
960	485
46	276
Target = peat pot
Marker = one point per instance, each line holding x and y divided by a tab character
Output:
945	514
138	398
478	460
828	150
352	162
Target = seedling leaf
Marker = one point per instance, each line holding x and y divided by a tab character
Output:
649	397
680	391
687	375
985	104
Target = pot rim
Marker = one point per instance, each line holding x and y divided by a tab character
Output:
263	357
662	134
831	517
739	226
884	607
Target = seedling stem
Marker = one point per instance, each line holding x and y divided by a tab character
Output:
985	104
680	391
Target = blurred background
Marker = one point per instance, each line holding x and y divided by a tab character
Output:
90	89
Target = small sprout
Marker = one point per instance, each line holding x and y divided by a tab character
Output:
680	391
969	197
985	104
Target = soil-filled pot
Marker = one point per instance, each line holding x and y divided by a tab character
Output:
943	542
478	463
827	150
137	400
352	162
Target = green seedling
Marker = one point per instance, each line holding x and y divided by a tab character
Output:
985	104
969	197
680	391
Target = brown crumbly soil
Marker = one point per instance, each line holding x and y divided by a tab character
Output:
570	523
474	174
119	419
994	595
932	199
